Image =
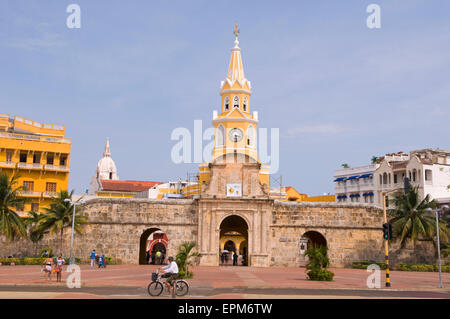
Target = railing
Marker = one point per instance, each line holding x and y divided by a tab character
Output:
39	125
7	164
29	166
35	138
28	193
50	194
56	167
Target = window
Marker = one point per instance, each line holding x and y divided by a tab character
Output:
8	156
28	186
50	158
23	157
34	207
50	187
428	175
63	160
395	178
220	135
36	158
414	175
110	175
227	103
236	101
244	104
20	207
250	136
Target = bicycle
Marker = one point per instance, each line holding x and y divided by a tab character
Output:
156	287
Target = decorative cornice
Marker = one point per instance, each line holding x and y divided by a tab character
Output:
235	91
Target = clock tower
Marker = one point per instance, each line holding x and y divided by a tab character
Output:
235	126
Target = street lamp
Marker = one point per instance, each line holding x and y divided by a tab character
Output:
67	200
438	243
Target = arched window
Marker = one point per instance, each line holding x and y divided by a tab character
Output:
244	105
220	135
250	136
227	103
236	101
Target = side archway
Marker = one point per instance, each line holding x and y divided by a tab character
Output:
315	239
152	239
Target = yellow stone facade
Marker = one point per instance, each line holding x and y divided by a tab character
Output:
39	154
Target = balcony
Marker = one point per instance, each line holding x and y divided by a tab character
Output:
36	138
7	164
29	194
50	194
29	166
56	168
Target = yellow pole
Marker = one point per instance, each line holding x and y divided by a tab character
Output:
386	244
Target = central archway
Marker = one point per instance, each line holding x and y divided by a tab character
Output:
151	241
233	239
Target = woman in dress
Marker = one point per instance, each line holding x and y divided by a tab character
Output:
58	268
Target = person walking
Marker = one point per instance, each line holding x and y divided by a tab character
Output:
158	257
235	258
222	257
48	267
59	266
147	257
93	256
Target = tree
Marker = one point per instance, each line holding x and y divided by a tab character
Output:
374	159
11	225
413	219
31	223
345	165
59	216
185	257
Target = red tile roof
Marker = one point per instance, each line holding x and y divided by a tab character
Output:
127	186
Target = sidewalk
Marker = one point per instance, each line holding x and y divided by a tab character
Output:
226	277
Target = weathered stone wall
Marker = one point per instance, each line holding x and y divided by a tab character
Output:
352	231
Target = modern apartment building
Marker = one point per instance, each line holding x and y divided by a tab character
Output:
39	154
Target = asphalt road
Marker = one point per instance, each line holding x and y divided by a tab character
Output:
140	292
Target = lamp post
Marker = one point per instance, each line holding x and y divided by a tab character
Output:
438	243
67	200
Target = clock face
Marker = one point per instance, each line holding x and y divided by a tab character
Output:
236	135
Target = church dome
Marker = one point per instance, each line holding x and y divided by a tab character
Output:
106	168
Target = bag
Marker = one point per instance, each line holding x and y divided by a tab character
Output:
154	276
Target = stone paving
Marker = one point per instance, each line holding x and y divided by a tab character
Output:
217	278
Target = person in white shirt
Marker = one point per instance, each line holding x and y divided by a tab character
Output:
170	272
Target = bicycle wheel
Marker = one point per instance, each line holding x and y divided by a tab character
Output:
182	288
155	288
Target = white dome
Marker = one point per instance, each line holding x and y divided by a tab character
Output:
106	165
106	170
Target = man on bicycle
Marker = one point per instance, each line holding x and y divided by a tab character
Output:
170	272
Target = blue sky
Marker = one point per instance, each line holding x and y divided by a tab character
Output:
338	91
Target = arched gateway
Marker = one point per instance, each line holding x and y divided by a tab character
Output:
234	239
152	240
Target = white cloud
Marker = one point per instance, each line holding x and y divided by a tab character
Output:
47	41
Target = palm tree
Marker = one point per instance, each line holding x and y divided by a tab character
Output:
185	256
374	159
11	225
413	219
31	223
59	216
345	165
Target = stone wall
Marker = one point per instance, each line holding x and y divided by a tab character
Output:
352	231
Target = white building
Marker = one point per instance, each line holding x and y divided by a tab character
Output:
427	169
355	184
106	170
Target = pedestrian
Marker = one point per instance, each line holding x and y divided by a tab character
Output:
222	257
93	257
158	257
48	267
58	268
147	257
153	257
235	258
163	256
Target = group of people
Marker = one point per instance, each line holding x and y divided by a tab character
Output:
234	257
157	257
50	267
99	259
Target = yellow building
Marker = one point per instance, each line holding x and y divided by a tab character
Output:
39	154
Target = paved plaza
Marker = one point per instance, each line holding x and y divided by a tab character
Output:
130	281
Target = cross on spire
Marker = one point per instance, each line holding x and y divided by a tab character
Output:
236	30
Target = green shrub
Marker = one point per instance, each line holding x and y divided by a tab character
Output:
365	263
402	266
320	275
50	252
